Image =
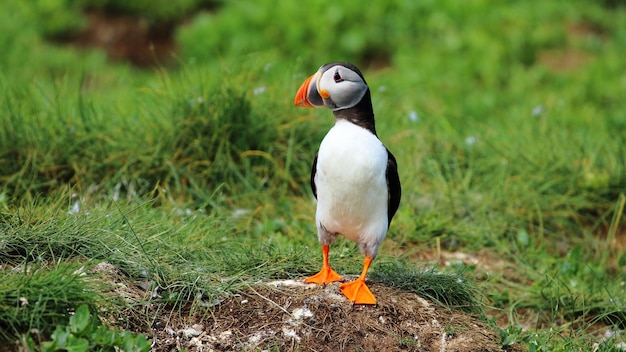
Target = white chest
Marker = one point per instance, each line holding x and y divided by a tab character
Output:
351	183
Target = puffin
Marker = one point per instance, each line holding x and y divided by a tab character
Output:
354	177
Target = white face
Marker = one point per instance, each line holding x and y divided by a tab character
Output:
341	88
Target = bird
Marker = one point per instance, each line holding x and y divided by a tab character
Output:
354	177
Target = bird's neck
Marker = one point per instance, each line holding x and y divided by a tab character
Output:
362	114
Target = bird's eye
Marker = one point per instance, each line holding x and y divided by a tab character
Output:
337	77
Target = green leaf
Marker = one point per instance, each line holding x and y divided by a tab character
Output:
105	337
60	337
77	344
48	346
80	320
135	342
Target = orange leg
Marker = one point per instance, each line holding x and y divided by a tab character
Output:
356	291
327	274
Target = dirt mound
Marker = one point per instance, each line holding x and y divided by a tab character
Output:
290	315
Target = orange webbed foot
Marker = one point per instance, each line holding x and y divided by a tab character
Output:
358	292
327	274
324	277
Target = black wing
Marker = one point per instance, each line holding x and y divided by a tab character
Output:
313	172
393	186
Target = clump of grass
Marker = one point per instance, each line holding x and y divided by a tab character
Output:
212	131
454	289
36	297
37	233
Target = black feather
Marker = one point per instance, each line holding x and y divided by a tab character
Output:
393	186
313	172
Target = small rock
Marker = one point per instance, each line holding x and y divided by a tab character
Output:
190	332
225	335
195	342
301	313
255	338
290	334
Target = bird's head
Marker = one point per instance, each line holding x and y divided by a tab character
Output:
337	86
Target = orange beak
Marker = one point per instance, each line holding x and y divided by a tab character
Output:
302	98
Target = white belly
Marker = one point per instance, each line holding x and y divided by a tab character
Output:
351	184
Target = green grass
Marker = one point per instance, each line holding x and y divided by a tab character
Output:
507	120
